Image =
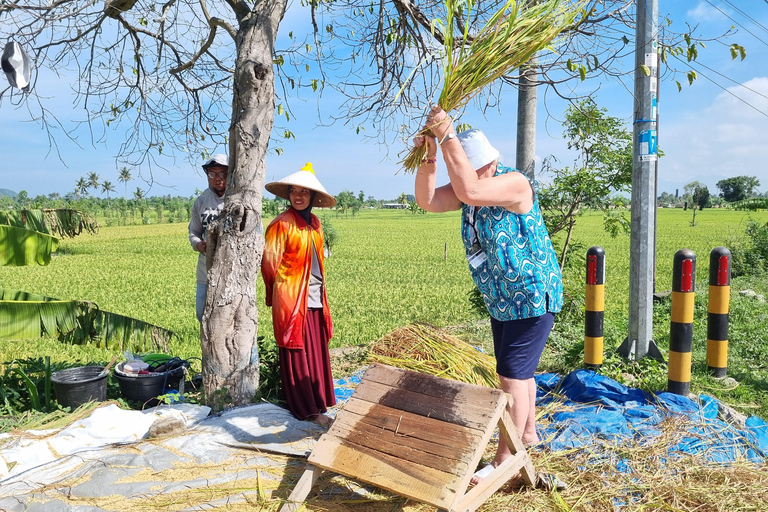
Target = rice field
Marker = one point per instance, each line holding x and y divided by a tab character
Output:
388	269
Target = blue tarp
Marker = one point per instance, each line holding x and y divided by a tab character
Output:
593	410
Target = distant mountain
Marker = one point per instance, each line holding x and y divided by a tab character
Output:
9	193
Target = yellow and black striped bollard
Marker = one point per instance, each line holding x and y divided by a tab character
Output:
717	315
681	328
595	307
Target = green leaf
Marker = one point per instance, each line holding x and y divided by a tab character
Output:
691	77
31	388
679	87
314	84
280	109
645	69
24	316
21	247
570	65
583	72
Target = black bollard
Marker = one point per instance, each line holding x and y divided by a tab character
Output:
595	308
681	326
717	312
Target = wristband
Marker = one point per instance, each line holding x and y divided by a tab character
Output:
429	160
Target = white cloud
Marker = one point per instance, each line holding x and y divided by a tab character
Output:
704	11
723	139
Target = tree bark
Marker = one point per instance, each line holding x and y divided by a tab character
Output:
229	328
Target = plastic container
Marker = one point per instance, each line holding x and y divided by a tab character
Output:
146	387
77	386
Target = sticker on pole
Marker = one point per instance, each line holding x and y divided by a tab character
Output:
646	146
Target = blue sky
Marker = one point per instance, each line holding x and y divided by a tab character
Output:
712	130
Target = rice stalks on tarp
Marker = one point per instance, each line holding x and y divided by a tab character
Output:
507	40
424	349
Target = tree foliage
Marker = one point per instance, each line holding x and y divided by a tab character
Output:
738	187
603	166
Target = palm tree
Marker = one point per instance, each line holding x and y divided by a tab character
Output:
107	187
138	194
81	187
93	181
125	177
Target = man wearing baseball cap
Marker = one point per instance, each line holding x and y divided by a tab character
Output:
205	210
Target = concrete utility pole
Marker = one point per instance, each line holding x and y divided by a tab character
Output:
639	342
526	119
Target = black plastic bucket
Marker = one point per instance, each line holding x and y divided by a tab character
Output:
77	386
143	388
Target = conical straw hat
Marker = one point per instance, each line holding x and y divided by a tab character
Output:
304	178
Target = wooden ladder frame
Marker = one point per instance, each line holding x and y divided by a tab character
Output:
419	436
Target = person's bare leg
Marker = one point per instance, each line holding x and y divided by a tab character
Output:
521	413
529	435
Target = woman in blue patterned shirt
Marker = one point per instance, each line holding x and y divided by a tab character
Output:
509	252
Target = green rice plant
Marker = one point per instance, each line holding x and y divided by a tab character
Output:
506	41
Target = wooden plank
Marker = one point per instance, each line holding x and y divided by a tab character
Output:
430	385
499	410
509	433
473	415
491	483
411	480
301	491
454	437
405	447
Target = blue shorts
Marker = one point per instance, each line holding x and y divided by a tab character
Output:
518	344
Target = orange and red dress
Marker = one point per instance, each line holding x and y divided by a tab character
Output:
302	324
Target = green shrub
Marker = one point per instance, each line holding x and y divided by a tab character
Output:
751	257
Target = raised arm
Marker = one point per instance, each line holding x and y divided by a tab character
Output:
428	195
478	187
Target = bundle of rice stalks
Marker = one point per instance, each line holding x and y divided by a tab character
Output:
507	40
422	348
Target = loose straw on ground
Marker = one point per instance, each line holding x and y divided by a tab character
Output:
507	41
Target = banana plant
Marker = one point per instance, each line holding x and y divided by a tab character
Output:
29	237
27	315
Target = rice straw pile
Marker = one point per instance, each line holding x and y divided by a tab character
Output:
424	349
507	41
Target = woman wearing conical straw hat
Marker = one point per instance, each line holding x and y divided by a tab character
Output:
509	252
293	269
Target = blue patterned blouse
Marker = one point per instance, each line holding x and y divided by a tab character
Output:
512	260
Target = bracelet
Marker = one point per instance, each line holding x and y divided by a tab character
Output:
448	136
429	160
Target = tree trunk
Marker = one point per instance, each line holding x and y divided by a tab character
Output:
235	246
525	160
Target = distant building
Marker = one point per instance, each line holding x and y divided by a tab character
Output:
394	206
